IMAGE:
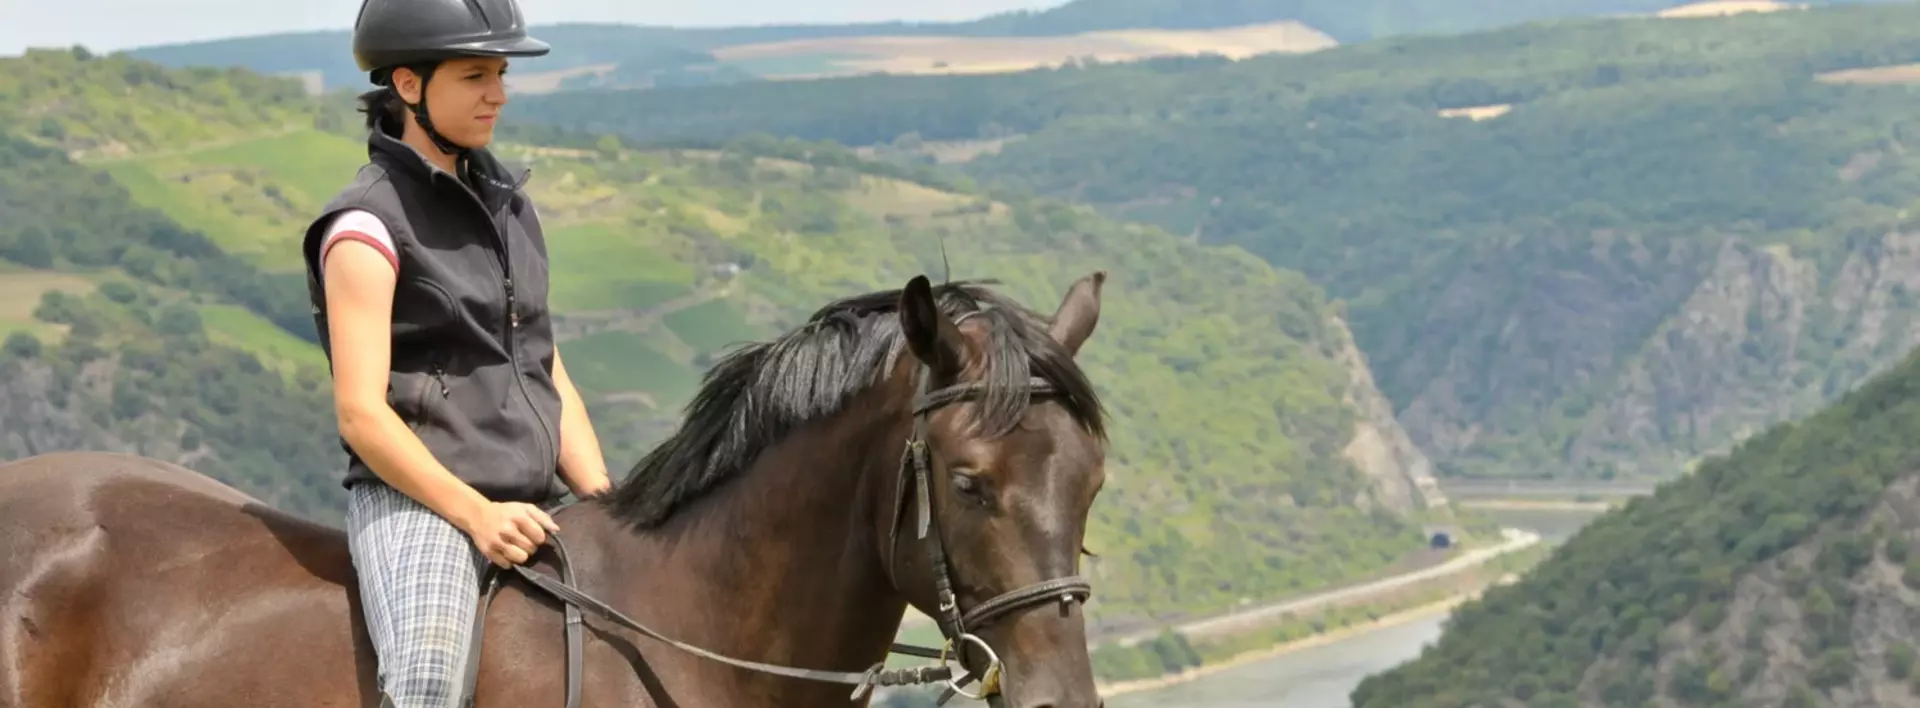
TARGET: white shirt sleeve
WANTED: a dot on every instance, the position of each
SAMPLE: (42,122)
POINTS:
(358,225)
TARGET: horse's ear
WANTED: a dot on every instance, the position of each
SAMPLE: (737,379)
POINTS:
(934,339)
(1079,311)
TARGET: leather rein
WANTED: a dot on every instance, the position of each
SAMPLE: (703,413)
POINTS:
(916,470)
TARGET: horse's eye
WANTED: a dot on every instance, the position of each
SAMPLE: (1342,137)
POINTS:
(967,483)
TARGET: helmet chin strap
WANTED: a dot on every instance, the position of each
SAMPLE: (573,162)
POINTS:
(426,121)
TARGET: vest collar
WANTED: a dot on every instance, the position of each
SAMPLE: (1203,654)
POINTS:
(492,180)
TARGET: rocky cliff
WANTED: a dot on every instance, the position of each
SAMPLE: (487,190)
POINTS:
(1616,360)
(1402,476)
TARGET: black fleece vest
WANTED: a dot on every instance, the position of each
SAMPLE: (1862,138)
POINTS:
(472,362)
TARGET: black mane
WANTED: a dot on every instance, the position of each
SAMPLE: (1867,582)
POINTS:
(759,393)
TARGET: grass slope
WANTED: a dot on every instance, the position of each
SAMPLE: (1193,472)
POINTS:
(1228,478)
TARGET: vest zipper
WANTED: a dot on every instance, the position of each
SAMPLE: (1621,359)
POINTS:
(549,460)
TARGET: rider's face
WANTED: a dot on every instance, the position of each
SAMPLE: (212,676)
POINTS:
(463,99)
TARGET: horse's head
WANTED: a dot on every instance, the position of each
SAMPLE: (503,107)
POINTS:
(1012,455)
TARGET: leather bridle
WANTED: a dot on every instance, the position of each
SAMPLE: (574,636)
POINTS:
(916,471)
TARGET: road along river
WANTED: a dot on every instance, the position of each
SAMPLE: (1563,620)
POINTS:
(1319,672)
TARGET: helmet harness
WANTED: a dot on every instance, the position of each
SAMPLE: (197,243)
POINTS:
(426,70)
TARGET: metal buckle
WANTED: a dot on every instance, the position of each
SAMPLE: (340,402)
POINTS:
(990,683)
(948,603)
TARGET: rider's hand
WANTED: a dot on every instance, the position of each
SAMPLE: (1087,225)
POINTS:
(508,533)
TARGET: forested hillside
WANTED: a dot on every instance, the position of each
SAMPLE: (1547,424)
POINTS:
(1782,574)
(153,306)
(113,313)
(1595,247)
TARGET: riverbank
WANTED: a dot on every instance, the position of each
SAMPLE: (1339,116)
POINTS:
(1189,650)
(1317,658)
(1120,688)
(1244,620)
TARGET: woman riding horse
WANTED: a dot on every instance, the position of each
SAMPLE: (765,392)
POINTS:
(428,278)
(933,447)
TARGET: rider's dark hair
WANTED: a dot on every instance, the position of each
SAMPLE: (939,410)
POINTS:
(385,111)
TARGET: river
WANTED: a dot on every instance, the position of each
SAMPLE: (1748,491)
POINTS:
(1322,676)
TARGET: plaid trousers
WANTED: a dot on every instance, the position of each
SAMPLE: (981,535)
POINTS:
(419,586)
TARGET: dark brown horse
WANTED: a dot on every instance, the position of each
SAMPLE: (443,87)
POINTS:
(779,525)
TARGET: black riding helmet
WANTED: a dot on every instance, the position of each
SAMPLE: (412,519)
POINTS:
(419,34)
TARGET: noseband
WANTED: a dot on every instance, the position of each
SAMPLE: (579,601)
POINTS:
(916,471)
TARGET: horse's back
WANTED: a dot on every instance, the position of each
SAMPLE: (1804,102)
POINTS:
(160,513)
(131,581)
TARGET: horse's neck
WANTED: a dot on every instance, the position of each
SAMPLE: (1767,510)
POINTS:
(783,564)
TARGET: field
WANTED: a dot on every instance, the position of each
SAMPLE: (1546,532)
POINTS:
(20,291)
(239,327)
(838,56)
(613,362)
(905,200)
(1478,113)
(545,81)
(1897,74)
(714,325)
(607,267)
(1726,7)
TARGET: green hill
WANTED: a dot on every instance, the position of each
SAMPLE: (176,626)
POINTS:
(151,209)
(1778,575)
(1656,237)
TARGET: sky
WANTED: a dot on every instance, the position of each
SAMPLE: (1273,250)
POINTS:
(109,25)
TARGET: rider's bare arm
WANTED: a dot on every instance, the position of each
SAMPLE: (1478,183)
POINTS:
(359,287)
(359,290)
(581,462)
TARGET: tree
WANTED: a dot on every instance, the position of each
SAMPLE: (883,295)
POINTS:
(179,321)
(31,247)
(609,146)
(22,345)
